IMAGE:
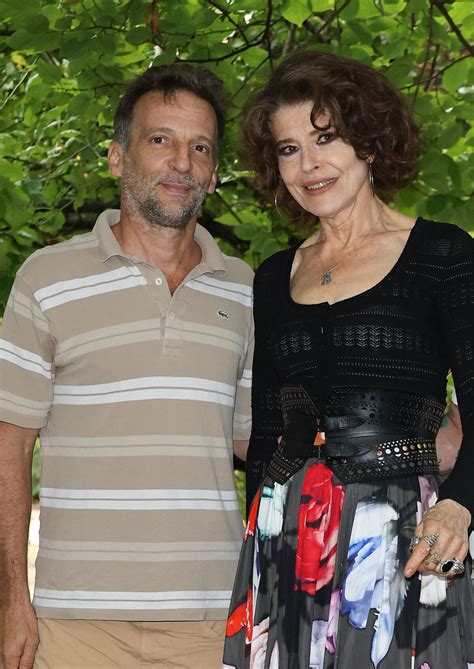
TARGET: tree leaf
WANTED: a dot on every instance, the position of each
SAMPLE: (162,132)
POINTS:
(322,5)
(296,11)
(48,72)
(456,76)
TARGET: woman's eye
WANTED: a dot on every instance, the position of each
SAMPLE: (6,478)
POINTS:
(325,138)
(286,150)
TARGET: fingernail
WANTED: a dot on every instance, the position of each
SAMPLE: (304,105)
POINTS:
(409,572)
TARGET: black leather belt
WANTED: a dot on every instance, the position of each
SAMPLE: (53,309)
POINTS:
(369,434)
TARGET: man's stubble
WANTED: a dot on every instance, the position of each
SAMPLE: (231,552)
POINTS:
(139,195)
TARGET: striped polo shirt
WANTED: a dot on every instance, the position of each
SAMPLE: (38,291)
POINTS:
(138,394)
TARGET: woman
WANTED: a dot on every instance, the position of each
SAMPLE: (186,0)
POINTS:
(348,559)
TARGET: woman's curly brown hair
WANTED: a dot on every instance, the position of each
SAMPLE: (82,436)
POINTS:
(365,110)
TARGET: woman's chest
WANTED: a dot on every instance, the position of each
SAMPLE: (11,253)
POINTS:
(394,321)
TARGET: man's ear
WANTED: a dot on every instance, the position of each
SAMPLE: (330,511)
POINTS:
(115,158)
(213,182)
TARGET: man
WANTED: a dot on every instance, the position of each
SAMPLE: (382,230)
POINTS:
(130,349)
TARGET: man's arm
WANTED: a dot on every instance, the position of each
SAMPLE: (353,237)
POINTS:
(18,625)
(448,439)
(240,448)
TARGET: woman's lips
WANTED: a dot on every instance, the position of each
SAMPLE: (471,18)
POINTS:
(320,186)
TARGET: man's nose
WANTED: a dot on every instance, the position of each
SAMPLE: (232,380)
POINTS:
(180,160)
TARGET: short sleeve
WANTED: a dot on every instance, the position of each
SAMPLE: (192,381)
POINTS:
(242,413)
(26,360)
(456,307)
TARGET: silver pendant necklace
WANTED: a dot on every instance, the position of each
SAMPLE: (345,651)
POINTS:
(326,274)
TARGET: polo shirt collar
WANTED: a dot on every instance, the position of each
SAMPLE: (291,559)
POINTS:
(212,260)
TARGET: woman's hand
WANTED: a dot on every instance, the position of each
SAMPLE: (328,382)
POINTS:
(448,439)
(450,522)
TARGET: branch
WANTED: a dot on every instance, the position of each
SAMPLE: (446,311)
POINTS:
(268,36)
(427,51)
(438,73)
(87,145)
(224,231)
(227,15)
(440,5)
(232,54)
(432,68)
(49,58)
(14,90)
(244,82)
(154,19)
(329,20)
(289,40)
(227,206)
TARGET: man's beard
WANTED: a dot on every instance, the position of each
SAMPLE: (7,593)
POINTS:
(141,198)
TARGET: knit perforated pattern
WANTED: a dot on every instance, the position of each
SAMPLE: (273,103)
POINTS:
(405,333)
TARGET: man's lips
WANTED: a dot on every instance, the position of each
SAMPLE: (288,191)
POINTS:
(176,188)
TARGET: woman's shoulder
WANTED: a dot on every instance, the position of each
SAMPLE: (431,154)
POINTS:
(443,239)
(272,280)
(275,266)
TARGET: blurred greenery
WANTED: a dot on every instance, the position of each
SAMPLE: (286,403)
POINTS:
(240,485)
(36,468)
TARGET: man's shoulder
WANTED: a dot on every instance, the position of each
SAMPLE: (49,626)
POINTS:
(58,260)
(238,270)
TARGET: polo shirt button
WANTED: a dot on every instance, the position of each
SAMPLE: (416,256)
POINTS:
(158,281)
(171,315)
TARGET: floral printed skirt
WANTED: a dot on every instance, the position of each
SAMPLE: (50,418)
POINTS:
(320,581)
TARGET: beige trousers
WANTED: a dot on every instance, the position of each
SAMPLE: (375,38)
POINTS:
(110,644)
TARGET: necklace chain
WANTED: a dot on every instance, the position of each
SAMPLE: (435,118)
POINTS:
(326,274)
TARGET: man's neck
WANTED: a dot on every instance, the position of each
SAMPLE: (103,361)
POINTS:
(174,252)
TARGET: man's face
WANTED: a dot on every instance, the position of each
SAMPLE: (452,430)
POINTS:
(170,162)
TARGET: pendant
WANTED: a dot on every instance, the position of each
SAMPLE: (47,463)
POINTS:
(326,277)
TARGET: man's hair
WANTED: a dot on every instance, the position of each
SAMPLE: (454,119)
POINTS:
(363,106)
(170,79)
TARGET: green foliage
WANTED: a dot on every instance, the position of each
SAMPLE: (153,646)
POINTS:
(35,471)
(239,477)
(65,63)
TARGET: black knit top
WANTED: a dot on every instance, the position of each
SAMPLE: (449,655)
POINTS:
(405,333)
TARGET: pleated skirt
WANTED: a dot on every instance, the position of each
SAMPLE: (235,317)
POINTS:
(320,581)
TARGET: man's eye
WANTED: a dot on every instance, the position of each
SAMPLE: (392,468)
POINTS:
(202,148)
(157,140)
(286,150)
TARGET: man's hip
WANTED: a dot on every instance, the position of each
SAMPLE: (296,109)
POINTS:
(111,644)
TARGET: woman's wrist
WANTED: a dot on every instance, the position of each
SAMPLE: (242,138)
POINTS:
(456,506)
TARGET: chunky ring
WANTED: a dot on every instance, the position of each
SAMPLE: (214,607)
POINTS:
(454,566)
(432,558)
(430,539)
(414,541)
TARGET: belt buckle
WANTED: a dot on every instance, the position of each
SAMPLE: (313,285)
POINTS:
(319,441)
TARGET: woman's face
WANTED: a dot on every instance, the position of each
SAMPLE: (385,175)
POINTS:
(321,171)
